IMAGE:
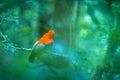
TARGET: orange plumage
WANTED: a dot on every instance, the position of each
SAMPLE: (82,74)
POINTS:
(46,38)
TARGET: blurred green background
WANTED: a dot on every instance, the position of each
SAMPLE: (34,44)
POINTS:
(86,42)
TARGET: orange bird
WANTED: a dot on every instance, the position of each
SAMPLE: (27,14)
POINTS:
(46,38)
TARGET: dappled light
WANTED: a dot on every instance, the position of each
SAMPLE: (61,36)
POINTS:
(59,40)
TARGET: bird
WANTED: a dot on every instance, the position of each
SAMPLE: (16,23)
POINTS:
(41,45)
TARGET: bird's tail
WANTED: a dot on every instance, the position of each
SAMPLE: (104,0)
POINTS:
(32,57)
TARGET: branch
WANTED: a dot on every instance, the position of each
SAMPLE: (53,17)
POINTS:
(25,49)
(17,48)
(2,36)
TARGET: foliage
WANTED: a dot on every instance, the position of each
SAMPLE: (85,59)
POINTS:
(86,41)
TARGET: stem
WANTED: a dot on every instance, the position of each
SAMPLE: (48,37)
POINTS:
(25,49)
(17,48)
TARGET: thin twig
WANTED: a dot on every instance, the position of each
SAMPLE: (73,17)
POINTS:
(17,48)
(1,35)
(25,49)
